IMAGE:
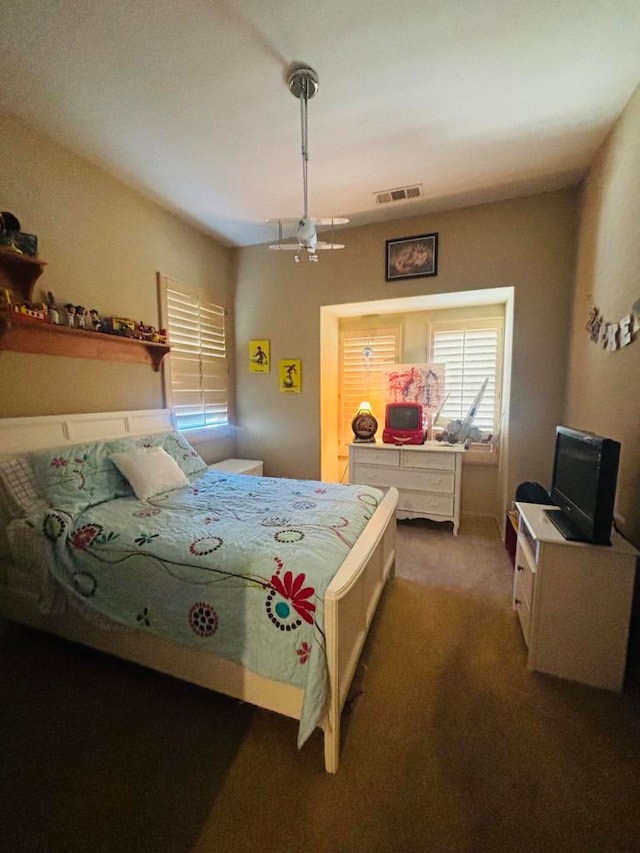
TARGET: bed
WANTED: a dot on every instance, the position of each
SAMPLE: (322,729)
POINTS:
(111,571)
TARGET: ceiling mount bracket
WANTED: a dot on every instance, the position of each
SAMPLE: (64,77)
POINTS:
(303,81)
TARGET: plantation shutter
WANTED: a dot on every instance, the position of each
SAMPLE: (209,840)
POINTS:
(362,353)
(471,354)
(198,367)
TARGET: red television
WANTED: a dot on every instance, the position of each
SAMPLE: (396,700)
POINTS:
(403,424)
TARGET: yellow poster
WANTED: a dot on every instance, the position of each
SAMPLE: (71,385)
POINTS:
(259,357)
(290,375)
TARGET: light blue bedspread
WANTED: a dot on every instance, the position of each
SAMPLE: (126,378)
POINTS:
(234,564)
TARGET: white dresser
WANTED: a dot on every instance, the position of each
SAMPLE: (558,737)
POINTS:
(427,476)
(573,601)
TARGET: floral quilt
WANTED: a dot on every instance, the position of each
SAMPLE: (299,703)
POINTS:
(234,564)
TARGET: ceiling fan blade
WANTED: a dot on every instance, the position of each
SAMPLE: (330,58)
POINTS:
(285,247)
(333,220)
(322,245)
(290,220)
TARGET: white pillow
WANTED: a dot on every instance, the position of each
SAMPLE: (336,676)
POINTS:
(149,470)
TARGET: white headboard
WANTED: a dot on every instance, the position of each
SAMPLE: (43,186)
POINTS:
(22,435)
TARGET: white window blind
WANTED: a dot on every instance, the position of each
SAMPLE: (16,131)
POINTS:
(471,353)
(362,353)
(198,371)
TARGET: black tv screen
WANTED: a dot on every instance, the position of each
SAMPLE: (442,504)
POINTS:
(585,471)
(404,416)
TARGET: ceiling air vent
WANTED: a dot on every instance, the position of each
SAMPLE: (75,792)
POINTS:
(398,194)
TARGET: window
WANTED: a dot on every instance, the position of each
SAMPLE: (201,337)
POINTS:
(362,354)
(472,352)
(197,375)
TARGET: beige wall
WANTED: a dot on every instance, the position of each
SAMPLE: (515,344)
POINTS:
(103,244)
(603,387)
(527,244)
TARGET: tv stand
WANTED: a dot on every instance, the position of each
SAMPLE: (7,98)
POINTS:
(573,600)
(569,531)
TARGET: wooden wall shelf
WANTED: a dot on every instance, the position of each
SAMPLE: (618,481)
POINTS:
(19,273)
(22,334)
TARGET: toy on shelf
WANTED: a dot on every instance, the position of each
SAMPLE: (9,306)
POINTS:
(81,313)
(52,309)
(94,320)
(71,314)
(142,332)
(13,239)
(32,312)
(120,326)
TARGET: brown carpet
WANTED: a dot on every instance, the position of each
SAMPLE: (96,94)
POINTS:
(453,745)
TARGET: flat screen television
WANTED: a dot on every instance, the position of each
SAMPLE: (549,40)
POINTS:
(403,424)
(585,472)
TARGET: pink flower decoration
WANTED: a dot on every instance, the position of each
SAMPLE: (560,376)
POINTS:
(303,653)
(84,536)
(58,462)
(292,590)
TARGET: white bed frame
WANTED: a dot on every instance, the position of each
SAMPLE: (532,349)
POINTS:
(350,600)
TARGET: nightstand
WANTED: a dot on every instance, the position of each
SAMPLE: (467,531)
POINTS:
(239,466)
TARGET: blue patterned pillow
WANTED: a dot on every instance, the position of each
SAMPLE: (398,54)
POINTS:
(78,476)
(176,446)
(187,458)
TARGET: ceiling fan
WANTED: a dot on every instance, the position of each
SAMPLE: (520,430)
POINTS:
(303,83)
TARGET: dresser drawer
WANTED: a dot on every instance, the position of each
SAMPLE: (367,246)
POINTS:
(430,504)
(402,478)
(371,456)
(523,580)
(433,460)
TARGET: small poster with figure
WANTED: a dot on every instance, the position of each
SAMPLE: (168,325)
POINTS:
(290,375)
(259,356)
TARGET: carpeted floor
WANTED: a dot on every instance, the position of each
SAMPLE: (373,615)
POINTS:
(452,744)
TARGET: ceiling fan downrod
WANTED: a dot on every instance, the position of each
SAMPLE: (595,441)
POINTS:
(303,84)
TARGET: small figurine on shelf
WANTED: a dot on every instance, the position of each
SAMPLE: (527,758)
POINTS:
(81,313)
(143,332)
(94,320)
(71,314)
(52,309)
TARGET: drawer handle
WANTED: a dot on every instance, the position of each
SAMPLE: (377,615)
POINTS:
(517,601)
(519,568)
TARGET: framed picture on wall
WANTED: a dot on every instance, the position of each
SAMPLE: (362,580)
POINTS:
(411,257)
(291,375)
(259,356)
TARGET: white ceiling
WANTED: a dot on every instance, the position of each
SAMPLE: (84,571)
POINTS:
(188,103)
